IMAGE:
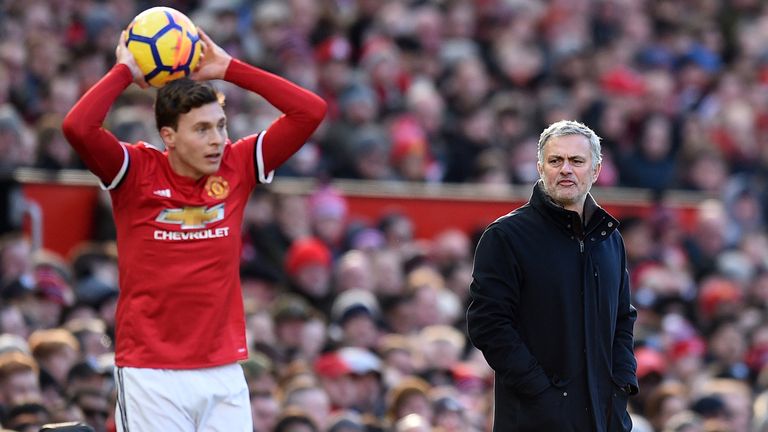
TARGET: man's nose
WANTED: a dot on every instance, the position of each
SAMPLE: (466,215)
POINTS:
(217,137)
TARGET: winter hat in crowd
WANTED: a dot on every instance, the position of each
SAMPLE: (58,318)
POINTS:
(360,360)
(304,252)
(717,294)
(649,361)
(333,48)
(332,365)
(291,307)
(51,284)
(327,202)
(352,303)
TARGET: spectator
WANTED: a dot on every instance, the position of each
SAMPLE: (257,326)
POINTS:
(353,271)
(666,401)
(359,109)
(328,214)
(290,314)
(265,410)
(441,349)
(311,399)
(687,421)
(335,376)
(409,397)
(652,164)
(308,266)
(295,421)
(449,415)
(398,358)
(387,269)
(15,262)
(18,381)
(27,417)
(346,422)
(262,388)
(53,151)
(356,312)
(52,290)
(95,407)
(365,367)
(707,239)
(56,351)
(335,71)
(12,321)
(87,376)
(91,335)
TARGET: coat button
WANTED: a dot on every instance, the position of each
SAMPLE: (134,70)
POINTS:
(565,393)
(602,233)
(610,224)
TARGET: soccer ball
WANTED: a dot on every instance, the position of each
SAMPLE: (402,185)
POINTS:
(165,44)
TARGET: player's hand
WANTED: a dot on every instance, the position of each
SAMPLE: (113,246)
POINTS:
(125,57)
(213,60)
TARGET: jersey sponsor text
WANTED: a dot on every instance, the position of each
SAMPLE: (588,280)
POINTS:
(191,235)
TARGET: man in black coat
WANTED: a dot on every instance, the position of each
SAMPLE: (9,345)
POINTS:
(550,302)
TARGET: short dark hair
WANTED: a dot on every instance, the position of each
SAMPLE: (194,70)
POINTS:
(293,416)
(180,97)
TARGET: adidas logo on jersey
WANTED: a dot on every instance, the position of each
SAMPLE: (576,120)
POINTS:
(166,193)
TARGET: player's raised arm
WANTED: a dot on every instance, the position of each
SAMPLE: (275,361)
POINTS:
(302,110)
(98,148)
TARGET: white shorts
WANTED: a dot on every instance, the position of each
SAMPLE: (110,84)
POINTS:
(170,400)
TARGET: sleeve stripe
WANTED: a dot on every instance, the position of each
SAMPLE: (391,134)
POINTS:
(262,178)
(120,174)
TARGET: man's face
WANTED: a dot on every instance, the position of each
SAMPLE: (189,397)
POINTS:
(197,144)
(265,410)
(19,388)
(567,170)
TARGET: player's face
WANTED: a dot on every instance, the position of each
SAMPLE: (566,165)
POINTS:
(196,146)
(567,170)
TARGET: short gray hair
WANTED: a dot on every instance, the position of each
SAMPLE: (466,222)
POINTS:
(570,127)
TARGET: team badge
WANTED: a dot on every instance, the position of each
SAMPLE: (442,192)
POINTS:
(217,187)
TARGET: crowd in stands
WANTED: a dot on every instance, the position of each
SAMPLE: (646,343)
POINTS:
(357,325)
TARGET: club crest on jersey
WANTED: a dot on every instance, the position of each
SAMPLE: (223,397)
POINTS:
(217,187)
(192,217)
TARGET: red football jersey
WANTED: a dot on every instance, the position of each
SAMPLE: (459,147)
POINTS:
(178,240)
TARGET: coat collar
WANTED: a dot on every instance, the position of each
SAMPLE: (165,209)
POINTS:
(594,215)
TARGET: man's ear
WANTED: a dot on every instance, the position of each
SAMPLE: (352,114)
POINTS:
(597,172)
(168,134)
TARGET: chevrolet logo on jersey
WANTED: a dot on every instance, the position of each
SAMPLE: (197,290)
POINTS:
(192,217)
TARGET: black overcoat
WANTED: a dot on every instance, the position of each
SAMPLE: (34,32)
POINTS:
(550,311)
